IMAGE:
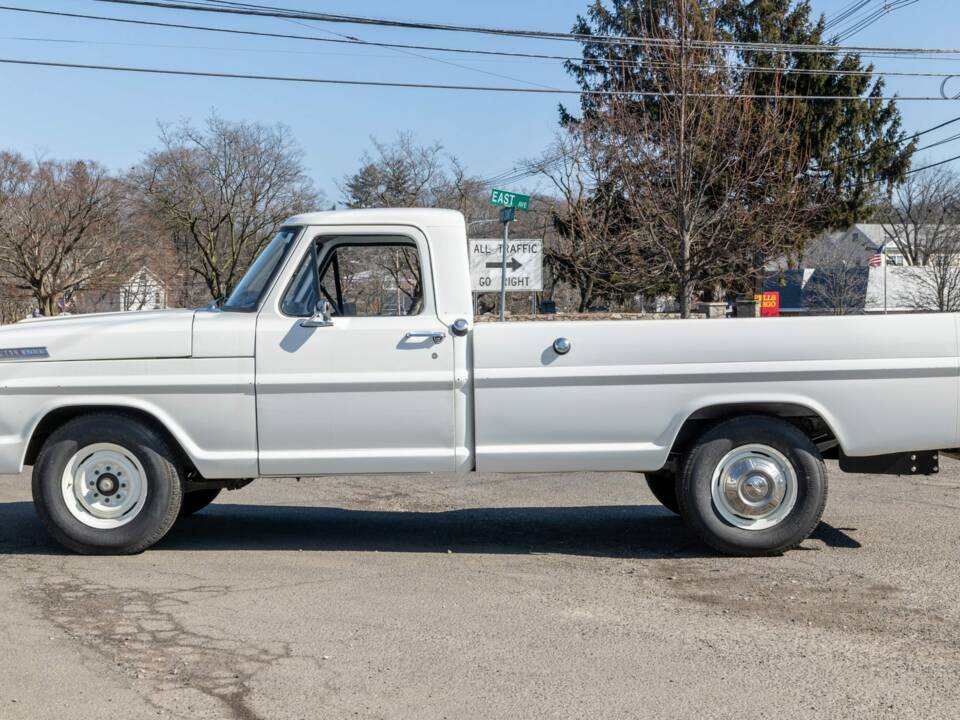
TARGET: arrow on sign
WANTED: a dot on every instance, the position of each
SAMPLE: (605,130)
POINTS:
(513,264)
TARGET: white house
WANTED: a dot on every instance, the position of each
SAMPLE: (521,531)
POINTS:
(144,290)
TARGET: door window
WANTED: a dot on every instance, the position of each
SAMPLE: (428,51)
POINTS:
(372,279)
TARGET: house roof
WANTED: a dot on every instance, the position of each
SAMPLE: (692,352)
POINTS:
(879,234)
(872,233)
(144,270)
(789,283)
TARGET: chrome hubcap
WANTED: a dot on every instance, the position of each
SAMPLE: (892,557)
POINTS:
(104,486)
(754,487)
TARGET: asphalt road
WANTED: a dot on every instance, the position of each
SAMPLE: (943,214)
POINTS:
(487,597)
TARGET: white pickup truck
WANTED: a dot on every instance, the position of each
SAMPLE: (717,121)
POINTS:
(350,347)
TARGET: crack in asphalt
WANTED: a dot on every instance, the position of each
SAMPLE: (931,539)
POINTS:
(138,631)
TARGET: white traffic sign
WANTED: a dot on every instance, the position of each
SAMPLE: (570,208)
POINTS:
(524,265)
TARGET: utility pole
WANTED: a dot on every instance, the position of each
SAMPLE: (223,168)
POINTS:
(682,171)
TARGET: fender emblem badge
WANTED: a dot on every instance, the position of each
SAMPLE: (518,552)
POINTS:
(23,353)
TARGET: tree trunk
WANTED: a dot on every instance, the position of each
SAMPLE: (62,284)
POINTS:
(586,292)
(46,304)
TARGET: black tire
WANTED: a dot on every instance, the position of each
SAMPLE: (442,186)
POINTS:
(162,478)
(663,485)
(196,500)
(696,501)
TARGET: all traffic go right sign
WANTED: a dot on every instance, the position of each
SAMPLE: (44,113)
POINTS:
(524,265)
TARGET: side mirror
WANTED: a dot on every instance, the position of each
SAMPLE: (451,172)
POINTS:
(321,316)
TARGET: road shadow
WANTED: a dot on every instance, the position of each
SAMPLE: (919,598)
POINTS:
(621,531)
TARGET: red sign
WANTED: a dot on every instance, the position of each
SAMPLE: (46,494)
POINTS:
(769,304)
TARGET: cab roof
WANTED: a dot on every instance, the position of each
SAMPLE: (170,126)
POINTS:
(426,217)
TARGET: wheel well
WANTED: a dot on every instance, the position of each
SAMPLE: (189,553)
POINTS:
(807,420)
(56,418)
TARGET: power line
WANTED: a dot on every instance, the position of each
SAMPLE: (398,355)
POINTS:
(932,165)
(477,88)
(348,40)
(515,173)
(657,65)
(909,138)
(285,36)
(322,81)
(945,141)
(424,57)
(845,13)
(234,8)
(864,23)
(181,46)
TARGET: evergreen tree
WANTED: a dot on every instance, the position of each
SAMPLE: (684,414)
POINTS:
(854,148)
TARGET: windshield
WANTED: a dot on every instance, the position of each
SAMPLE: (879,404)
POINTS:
(247,295)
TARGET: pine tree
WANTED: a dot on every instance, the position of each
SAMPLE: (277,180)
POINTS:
(854,148)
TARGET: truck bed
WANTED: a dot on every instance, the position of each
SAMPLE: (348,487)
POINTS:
(618,399)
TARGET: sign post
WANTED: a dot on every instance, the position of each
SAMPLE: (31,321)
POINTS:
(506,215)
(510,203)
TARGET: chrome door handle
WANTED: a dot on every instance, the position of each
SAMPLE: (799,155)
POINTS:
(436,335)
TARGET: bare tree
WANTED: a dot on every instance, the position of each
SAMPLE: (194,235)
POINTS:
(59,228)
(221,192)
(589,244)
(919,216)
(399,174)
(404,173)
(459,190)
(838,285)
(936,285)
(15,304)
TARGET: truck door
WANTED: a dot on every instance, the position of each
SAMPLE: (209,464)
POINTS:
(371,391)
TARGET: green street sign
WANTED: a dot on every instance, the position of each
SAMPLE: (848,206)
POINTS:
(509,199)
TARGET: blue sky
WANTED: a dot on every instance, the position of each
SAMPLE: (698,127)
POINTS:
(113,117)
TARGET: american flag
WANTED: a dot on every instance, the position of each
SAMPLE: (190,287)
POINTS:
(876,260)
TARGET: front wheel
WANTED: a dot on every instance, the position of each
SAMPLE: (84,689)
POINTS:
(106,484)
(753,485)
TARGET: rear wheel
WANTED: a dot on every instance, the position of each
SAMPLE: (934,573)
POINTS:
(197,500)
(753,485)
(105,483)
(663,485)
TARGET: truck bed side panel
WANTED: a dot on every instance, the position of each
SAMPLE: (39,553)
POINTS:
(617,400)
